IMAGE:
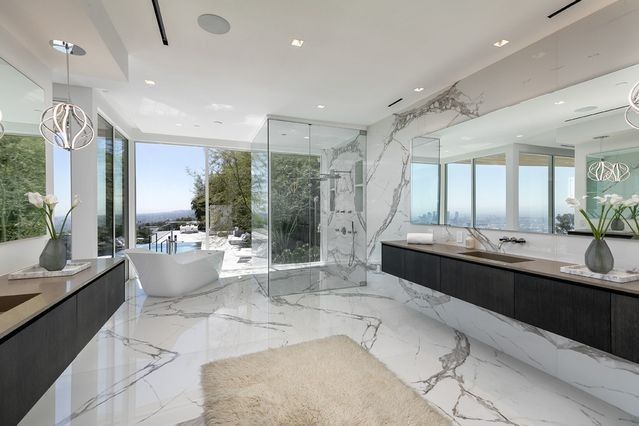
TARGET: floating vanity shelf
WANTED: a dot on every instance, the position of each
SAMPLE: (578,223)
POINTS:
(45,323)
(601,314)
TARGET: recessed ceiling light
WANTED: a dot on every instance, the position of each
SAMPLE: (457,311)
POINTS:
(149,82)
(321,106)
(520,136)
(306,137)
(178,124)
(560,102)
(586,108)
(297,42)
(500,43)
(213,24)
(418,89)
(220,107)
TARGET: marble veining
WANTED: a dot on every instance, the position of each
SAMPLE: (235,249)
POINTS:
(144,365)
(609,378)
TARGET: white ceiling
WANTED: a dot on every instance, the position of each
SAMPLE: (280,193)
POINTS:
(358,55)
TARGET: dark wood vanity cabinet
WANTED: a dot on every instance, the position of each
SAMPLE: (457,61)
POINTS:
(490,288)
(570,310)
(600,317)
(625,326)
(413,266)
(33,356)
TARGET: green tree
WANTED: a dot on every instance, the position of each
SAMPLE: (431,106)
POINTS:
(292,191)
(22,170)
(564,223)
(229,185)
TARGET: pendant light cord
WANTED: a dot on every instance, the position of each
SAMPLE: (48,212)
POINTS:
(68,51)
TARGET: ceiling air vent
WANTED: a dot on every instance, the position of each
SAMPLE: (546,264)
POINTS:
(595,113)
(396,102)
(563,9)
(158,17)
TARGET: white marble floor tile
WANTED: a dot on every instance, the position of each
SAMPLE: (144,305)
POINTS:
(144,365)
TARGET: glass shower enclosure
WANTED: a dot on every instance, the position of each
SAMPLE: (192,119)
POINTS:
(308,207)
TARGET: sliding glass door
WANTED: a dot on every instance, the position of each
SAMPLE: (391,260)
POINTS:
(112,194)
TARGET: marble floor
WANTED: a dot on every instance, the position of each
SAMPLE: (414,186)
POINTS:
(144,365)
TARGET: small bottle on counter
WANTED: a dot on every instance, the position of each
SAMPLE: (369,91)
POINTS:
(470,242)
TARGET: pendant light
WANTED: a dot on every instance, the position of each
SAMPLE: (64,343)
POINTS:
(64,124)
(600,171)
(633,107)
(605,171)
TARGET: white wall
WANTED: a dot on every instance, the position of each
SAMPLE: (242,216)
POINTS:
(594,46)
(15,255)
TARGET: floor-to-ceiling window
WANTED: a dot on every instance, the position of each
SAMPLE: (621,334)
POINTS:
(459,193)
(192,197)
(534,192)
(490,192)
(62,189)
(112,194)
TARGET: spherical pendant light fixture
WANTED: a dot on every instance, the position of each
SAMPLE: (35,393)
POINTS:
(64,124)
(599,171)
(632,112)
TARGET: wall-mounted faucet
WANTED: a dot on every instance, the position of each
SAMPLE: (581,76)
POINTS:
(514,240)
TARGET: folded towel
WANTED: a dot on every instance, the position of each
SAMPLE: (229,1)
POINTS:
(420,238)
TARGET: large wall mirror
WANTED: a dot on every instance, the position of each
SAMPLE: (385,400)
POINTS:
(22,154)
(513,169)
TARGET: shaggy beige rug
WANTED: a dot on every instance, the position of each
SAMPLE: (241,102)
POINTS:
(328,382)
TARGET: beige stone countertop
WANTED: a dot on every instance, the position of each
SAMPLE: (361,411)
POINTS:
(51,291)
(533,266)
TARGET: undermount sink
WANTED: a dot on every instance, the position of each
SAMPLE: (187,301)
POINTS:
(11,301)
(495,256)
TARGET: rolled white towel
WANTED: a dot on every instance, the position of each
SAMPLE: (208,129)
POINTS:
(420,238)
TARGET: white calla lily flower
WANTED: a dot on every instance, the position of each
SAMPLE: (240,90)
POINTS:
(36,199)
(50,200)
(573,202)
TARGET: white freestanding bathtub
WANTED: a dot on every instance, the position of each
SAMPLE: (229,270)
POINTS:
(164,275)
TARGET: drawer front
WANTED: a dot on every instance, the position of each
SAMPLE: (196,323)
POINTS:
(488,287)
(393,260)
(579,313)
(33,358)
(115,289)
(422,268)
(625,326)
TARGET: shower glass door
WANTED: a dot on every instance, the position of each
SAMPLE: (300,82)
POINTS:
(294,235)
(315,196)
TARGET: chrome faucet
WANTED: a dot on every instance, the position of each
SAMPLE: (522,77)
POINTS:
(514,240)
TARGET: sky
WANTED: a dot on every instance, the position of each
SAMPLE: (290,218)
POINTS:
(62,180)
(491,189)
(163,185)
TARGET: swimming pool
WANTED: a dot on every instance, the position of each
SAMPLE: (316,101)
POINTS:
(182,247)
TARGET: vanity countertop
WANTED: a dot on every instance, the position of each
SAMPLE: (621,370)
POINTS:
(51,292)
(535,266)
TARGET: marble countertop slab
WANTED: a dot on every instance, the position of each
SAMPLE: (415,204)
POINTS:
(534,266)
(71,268)
(50,292)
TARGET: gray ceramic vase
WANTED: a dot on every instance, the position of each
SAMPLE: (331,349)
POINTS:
(599,257)
(617,225)
(54,255)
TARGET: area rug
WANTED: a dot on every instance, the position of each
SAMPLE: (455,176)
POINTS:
(331,381)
